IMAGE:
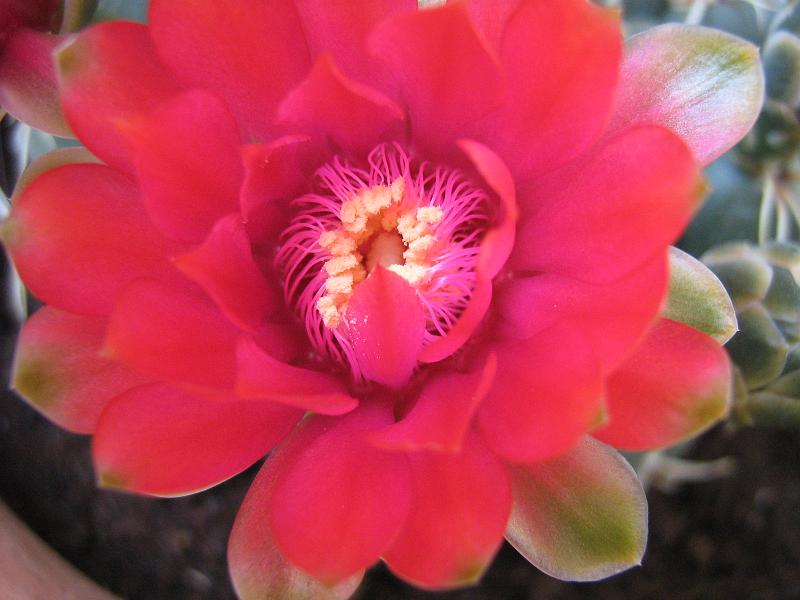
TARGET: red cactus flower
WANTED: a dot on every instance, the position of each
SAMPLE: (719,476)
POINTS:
(418,254)
(28,87)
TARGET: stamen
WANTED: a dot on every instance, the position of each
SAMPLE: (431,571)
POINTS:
(423,223)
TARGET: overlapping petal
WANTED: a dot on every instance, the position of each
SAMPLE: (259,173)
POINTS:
(186,154)
(249,54)
(552,53)
(546,395)
(154,330)
(349,114)
(611,211)
(614,316)
(676,384)
(442,414)
(108,75)
(325,496)
(460,505)
(77,259)
(165,441)
(60,370)
(224,266)
(465,77)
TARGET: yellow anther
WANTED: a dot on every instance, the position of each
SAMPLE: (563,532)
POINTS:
(375,222)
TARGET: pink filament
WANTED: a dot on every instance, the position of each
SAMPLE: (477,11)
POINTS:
(465,219)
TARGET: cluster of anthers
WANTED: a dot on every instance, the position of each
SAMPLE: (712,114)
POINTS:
(423,223)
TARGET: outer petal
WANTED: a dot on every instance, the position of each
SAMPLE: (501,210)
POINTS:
(78,234)
(341,27)
(447,75)
(58,368)
(331,493)
(261,376)
(459,510)
(109,74)
(250,54)
(704,84)
(28,88)
(546,395)
(442,415)
(353,116)
(257,567)
(698,299)
(607,214)
(224,266)
(163,441)
(561,61)
(614,316)
(677,384)
(187,158)
(386,324)
(580,517)
(172,335)
(495,249)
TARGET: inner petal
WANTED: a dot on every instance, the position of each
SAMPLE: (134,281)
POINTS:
(423,222)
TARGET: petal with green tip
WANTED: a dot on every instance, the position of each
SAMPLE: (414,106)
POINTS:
(677,384)
(459,509)
(697,298)
(28,88)
(579,517)
(704,84)
(58,368)
(257,567)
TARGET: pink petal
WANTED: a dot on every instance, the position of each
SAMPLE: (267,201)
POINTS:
(257,567)
(490,18)
(170,334)
(338,501)
(460,506)
(386,324)
(78,234)
(353,116)
(442,415)
(547,394)
(677,384)
(118,58)
(224,266)
(341,27)
(274,174)
(28,88)
(579,517)
(58,368)
(249,54)
(561,62)
(187,158)
(704,84)
(261,376)
(164,441)
(447,76)
(614,316)
(495,249)
(605,215)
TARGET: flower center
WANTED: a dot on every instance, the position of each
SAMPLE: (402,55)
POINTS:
(421,222)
